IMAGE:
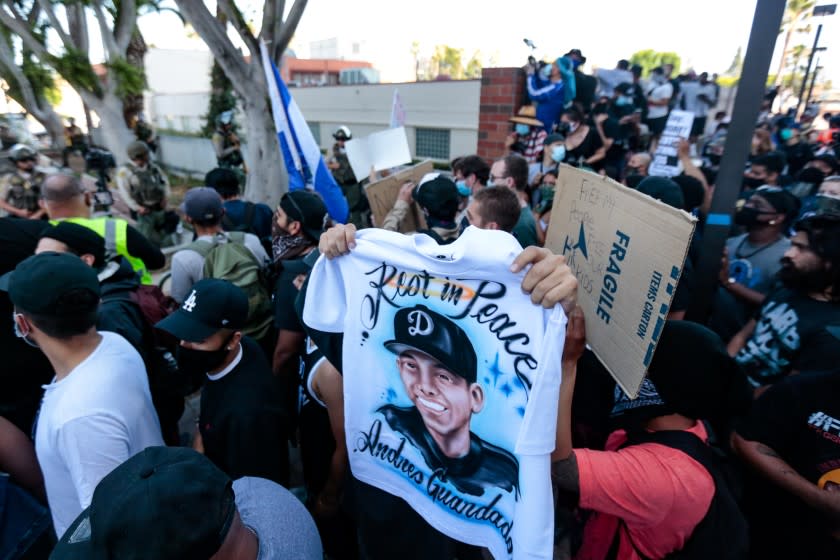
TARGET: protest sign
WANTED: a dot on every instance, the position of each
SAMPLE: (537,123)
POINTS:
(381,150)
(665,160)
(627,252)
(382,195)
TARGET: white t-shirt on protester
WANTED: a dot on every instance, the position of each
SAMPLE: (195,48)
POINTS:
(691,92)
(518,347)
(659,93)
(90,422)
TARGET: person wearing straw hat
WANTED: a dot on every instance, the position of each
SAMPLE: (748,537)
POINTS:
(528,135)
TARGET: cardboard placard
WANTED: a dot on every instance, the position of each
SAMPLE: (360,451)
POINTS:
(627,252)
(383,194)
(665,162)
(380,150)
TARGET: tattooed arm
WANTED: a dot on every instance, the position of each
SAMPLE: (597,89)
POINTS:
(564,469)
(770,464)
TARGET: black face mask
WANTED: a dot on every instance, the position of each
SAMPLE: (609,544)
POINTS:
(748,216)
(198,362)
(752,182)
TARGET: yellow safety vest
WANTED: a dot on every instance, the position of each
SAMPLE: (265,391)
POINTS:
(114,231)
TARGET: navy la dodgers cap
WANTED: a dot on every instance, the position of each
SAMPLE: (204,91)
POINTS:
(212,305)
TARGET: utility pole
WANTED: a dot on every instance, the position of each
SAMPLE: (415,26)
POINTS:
(819,11)
(817,69)
(751,90)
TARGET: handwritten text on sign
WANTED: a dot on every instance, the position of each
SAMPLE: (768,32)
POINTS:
(626,251)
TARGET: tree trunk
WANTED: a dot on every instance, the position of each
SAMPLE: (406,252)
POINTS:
(55,128)
(781,69)
(113,134)
(267,178)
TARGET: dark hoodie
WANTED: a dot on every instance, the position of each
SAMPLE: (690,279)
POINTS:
(118,312)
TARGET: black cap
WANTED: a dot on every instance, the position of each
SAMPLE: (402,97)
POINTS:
(307,208)
(438,194)
(829,160)
(165,502)
(782,200)
(420,328)
(624,88)
(39,282)
(79,239)
(577,53)
(212,305)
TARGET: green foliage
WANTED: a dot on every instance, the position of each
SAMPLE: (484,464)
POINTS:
(74,66)
(41,79)
(131,80)
(649,59)
(473,69)
(449,61)
(221,99)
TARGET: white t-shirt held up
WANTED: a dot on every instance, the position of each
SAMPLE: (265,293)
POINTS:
(436,338)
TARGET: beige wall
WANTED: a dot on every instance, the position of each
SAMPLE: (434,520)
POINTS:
(366,109)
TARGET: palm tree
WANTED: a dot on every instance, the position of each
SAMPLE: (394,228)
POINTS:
(796,12)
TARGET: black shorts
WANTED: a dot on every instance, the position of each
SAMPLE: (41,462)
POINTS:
(657,125)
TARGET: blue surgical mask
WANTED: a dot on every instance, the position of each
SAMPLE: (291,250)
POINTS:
(623,101)
(558,153)
(576,63)
(522,129)
(546,71)
(463,189)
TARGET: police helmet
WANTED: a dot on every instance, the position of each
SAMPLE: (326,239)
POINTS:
(137,149)
(20,152)
(343,133)
(225,117)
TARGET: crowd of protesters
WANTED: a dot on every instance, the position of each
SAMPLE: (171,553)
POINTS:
(198,420)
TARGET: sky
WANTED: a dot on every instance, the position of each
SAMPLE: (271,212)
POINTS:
(705,33)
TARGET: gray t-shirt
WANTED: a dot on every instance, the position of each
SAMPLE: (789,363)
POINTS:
(753,266)
(283,525)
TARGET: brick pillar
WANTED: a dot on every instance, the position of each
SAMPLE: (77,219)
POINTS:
(502,94)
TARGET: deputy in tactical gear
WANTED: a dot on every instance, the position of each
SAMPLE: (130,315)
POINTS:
(346,179)
(438,367)
(145,189)
(21,189)
(226,142)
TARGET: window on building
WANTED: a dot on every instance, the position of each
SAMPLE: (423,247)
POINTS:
(432,142)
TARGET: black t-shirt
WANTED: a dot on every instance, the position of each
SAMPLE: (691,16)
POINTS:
(586,149)
(285,294)
(25,368)
(619,135)
(799,418)
(790,335)
(243,420)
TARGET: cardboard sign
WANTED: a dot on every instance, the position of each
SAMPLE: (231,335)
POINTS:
(383,194)
(665,162)
(627,252)
(381,150)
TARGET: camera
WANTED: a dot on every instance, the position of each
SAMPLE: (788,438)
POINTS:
(98,159)
(101,161)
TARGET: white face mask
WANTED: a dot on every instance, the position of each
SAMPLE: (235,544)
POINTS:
(543,225)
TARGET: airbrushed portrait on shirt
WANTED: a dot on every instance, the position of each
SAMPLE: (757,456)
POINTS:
(452,403)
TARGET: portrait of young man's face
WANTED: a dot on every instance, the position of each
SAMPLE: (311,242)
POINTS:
(445,400)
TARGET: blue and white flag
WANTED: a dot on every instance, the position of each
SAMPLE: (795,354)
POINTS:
(304,163)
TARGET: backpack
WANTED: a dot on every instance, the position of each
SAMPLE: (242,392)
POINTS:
(150,189)
(247,224)
(723,533)
(227,258)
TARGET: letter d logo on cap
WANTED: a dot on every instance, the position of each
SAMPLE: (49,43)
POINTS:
(422,324)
